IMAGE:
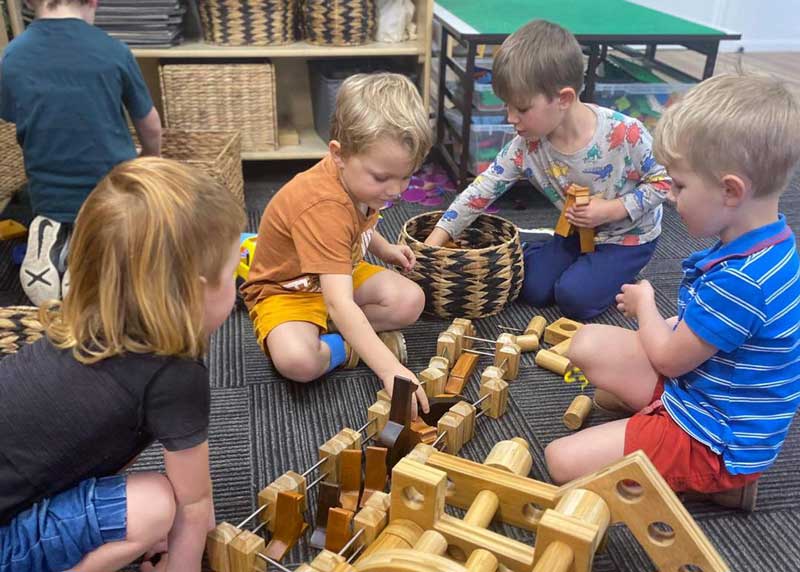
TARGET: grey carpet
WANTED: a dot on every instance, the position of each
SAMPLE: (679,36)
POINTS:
(262,425)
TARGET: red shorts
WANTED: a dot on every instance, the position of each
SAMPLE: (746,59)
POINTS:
(684,462)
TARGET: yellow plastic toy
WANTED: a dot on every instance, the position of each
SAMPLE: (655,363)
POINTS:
(11,229)
(247,250)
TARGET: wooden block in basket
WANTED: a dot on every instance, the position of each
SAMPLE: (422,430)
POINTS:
(223,97)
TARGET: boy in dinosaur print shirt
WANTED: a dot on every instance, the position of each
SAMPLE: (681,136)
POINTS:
(562,141)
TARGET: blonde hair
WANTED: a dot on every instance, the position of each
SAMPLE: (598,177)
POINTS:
(142,241)
(372,106)
(734,123)
(539,58)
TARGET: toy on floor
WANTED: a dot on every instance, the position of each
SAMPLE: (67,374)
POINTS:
(576,196)
(428,186)
(12,229)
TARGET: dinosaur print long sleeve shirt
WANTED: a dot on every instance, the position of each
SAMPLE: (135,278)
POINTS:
(617,163)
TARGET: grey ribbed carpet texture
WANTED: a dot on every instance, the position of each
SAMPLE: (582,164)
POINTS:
(263,425)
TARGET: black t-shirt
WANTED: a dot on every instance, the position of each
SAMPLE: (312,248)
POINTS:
(62,422)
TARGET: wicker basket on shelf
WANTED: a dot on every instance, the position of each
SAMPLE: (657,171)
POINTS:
(223,97)
(12,168)
(339,23)
(473,281)
(19,325)
(248,22)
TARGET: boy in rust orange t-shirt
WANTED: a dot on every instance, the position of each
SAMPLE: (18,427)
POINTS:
(308,264)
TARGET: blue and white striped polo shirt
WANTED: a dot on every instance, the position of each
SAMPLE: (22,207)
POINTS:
(743,298)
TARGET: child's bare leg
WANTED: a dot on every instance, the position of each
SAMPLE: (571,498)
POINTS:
(586,451)
(297,352)
(151,511)
(390,301)
(613,359)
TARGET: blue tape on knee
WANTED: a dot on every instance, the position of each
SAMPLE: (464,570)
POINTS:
(338,352)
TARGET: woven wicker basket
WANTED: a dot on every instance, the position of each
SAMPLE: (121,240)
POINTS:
(223,97)
(248,22)
(19,325)
(471,282)
(339,23)
(12,169)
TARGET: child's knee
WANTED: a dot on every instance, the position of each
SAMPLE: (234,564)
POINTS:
(296,363)
(407,303)
(576,305)
(152,499)
(559,461)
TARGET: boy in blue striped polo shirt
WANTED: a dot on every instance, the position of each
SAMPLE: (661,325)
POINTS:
(716,387)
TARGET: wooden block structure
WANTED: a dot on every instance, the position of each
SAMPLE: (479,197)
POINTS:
(332,449)
(433,380)
(440,362)
(379,411)
(506,358)
(289,527)
(374,473)
(446,346)
(327,498)
(577,412)
(350,493)
(461,373)
(560,330)
(288,482)
(339,529)
(496,387)
(576,195)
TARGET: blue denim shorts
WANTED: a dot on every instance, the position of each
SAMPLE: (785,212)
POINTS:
(56,533)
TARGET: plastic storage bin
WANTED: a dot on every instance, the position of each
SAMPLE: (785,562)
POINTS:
(485,141)
(326,76)
(644,101)
(483,97)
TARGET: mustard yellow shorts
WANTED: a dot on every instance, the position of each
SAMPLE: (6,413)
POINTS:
(275,310)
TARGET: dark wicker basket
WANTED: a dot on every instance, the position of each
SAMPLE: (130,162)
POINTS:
(19,325)
(248,22)
(475,281)
(339,22)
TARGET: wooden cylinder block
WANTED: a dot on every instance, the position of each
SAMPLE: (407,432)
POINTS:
(557,557)
(399,533)
(586,506)
(577,412)
(512,456)
(433,381)
(552,361)
(528,342)
(482,510)
(481,561)
(431,542)
(561,348)
(372,521)
(536,326)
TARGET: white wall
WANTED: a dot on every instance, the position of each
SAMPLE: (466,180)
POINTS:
(765,25)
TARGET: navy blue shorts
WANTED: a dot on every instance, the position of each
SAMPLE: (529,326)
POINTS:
(56,533)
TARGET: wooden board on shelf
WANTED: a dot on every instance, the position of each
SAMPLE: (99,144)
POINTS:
(199,49)
(311,147)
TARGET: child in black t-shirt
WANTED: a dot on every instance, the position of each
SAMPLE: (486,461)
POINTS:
(152,261)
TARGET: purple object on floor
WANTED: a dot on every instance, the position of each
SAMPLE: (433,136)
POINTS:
(413,194)
(432,201)
(492,209)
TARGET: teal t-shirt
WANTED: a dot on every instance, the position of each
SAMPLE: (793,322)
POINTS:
(65,84)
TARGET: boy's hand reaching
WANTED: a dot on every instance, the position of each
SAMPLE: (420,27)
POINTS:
(634,297)
(417,399)
(597,212)
(400,255)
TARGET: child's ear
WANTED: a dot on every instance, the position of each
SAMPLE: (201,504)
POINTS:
(335,149)
(566,97)
(736,189)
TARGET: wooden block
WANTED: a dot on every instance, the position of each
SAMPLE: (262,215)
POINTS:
(577,412)
(425,432)
(440,362)
(581,201)
(421,452)
(536,326)
(504,339)
(528,342)
(372,521)
(561,348)
(467,411)
(330,450)
(465,366)
(552,362)
(433,380)
(397,534)
(327,561)
(328,499)
(469,329)
(290,525)
(380,412)
(379,501)
(217,543)
(512,455)
(507,359)
(383,395)
(339,529)
(453,425)
(563,226)
(290,482)
(243,549)
(586,236)
(560,330)
(375,472)
(418,493)
(446,346)
(497,403)
(458,333)
(350,494)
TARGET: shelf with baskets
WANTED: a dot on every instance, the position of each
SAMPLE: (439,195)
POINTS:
(291,124)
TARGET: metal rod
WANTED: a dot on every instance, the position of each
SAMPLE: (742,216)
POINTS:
(269,560)
(480,414)
(502,363)
(441,446)
(315,483)
(365,425)
(370,437)
(480,339)
(259,527)
(314,466)
(252,516)
(479,353)
(439,438)
(510,328)
(350,542)
(356,552)
(481,400)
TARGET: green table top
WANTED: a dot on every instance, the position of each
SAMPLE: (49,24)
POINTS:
(581,17)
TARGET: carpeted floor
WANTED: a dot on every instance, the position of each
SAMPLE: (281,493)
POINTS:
(262,425)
